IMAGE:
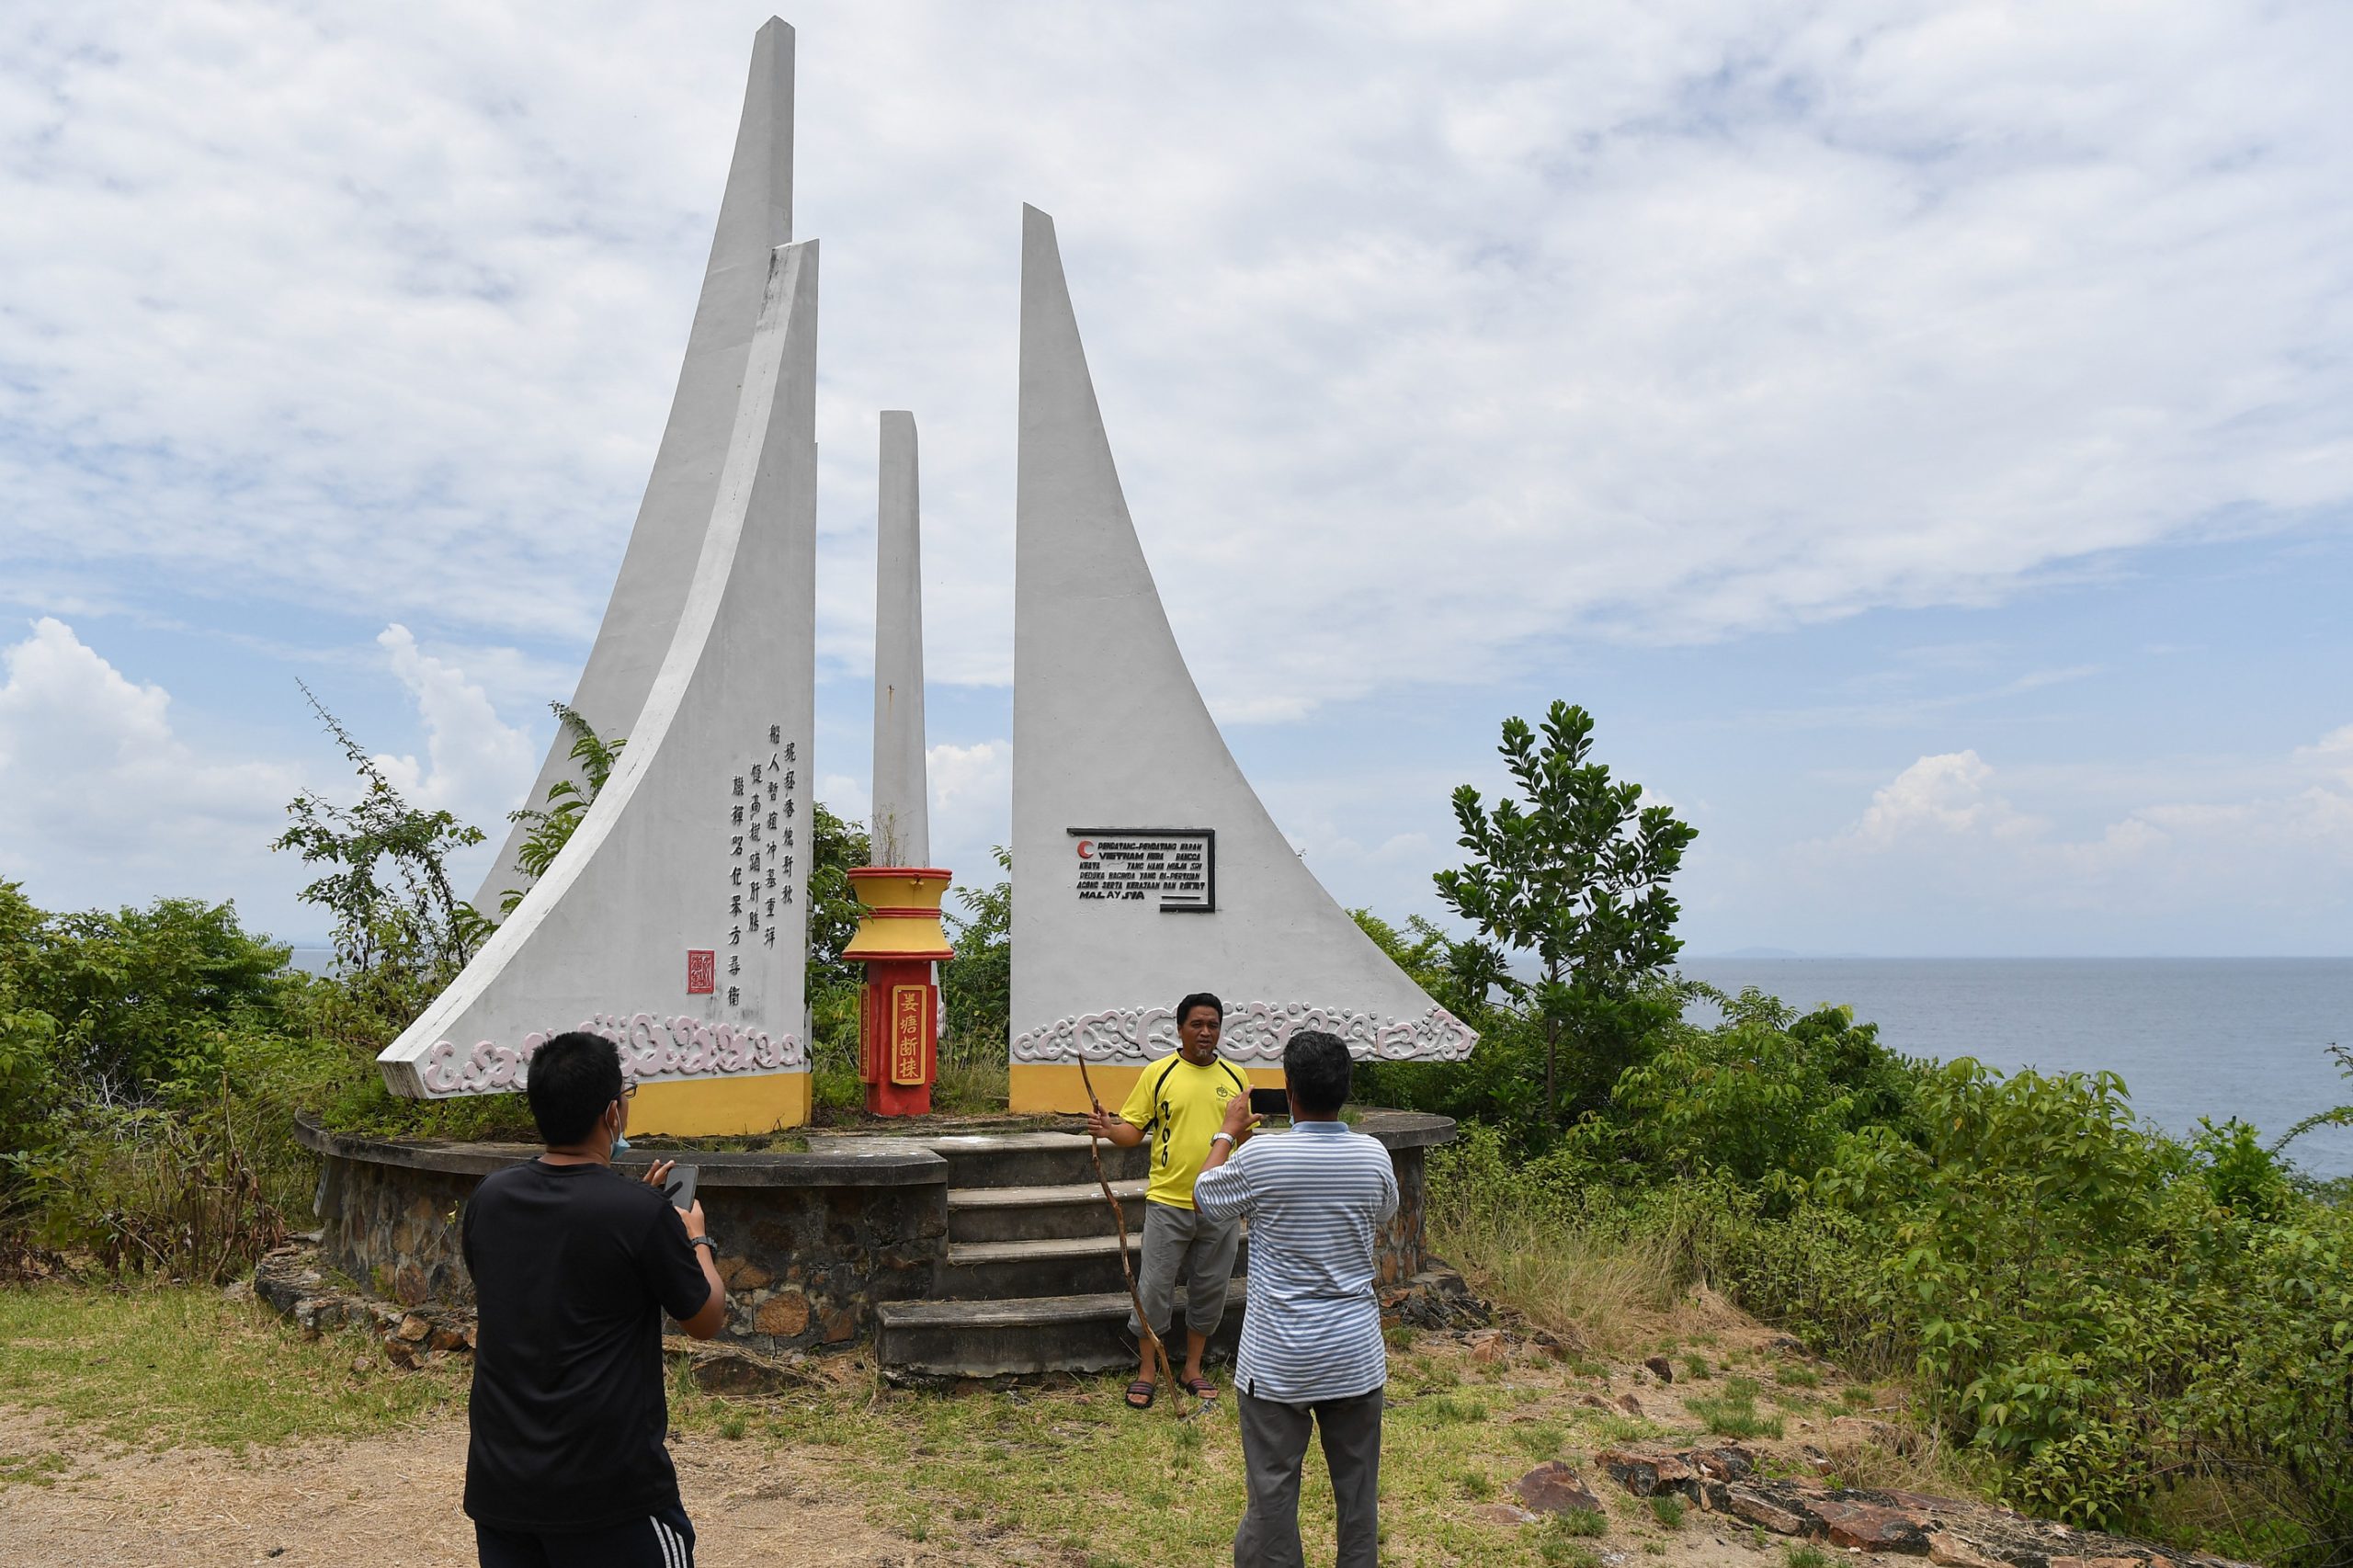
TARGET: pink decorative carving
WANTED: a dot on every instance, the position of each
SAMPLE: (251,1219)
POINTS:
(652,1049)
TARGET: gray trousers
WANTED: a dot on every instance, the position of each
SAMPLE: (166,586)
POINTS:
(1273,1441)
(1205,1248)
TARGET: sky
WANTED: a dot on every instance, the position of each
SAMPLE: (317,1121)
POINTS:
(1917,432)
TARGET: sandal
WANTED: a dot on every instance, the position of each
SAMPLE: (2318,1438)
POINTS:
(1149,1391)
(1200,1388)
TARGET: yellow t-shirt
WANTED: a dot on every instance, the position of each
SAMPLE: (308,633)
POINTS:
(1179,1105)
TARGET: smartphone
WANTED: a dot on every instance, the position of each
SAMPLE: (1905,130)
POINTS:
(680,1188)
(1270,1102)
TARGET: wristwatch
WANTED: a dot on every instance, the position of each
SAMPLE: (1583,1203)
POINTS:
(1215,1136)
(703,1241)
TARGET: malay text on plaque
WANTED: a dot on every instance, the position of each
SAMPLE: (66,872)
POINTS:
(1172,868)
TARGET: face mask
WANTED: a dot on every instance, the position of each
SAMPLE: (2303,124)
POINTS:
(620,1145)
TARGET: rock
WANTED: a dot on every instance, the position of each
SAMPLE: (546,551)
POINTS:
(1787,1344)
(1728,1462)
(1553,1488)
(361,1364)
(238,1290)
(838,1326)
(399,1352)
(1646,1474)
(784,1315)
(1594,1402)
(1630,1405)
(413,1329)
(1661,1369)
(1950,1550)
(1746,1502)
(445,1338)
(723,1368)
(1503,1514)
(1870,1527)
(1553,1344)
(1488,1347)
(1816,1460)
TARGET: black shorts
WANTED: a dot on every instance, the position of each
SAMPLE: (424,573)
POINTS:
(665,1539)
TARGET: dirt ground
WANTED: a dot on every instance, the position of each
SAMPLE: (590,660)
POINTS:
(393,1503)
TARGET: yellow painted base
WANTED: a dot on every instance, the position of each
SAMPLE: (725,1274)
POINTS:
(722,1108)
(1046,1087)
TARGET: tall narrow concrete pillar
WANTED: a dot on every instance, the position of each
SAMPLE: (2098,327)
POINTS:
(901,827)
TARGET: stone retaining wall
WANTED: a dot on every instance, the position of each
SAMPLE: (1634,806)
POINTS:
(808,1243)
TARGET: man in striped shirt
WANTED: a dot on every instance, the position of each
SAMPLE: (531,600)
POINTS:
(1316,1198)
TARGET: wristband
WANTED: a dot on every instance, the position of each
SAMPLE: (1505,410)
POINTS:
(703,1241)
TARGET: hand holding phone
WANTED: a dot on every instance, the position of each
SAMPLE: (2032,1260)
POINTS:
(1270,1102)
(680,1188)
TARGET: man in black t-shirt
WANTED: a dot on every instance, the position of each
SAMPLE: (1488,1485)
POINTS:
(573,1266)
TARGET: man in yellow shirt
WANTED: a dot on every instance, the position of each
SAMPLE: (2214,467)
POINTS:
(1179,1103)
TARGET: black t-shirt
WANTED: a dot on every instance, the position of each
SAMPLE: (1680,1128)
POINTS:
(573,1266)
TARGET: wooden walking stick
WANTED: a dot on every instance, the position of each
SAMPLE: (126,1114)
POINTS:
(1127,1270)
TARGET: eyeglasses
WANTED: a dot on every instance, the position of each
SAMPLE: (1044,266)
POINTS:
(629,1091)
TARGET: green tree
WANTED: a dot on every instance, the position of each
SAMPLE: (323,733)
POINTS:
(977,986)
(1577,877)
(568,802)
(400,931)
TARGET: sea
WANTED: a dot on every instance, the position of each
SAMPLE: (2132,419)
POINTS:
(2191,1037)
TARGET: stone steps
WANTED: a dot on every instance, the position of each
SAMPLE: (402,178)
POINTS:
(1054,1266)
(1030,1281)
(1026,1334)
(1040,1213)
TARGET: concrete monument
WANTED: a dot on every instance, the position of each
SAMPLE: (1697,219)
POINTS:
(1148,867)
(755,217)
(674,920)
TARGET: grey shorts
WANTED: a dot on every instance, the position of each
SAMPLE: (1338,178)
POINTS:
(1205,1248)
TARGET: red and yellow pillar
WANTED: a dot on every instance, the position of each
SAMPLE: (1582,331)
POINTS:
(899,940)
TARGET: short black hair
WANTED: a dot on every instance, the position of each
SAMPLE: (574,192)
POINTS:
(1316,1068)
(1199,999)
(573,1078)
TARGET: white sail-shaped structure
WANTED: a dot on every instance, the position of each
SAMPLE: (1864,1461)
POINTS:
(674,920)
(755,217)
(1147,866)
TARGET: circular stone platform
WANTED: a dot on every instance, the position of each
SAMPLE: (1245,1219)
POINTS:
(967,1251)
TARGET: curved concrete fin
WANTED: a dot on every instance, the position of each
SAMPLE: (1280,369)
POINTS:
(901,827)
(675,919)
(755,217)
(1121,779)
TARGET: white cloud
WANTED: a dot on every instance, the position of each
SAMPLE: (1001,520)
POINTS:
(1479,329)
(1942,795)
(1944,831)
(476,765)
(101,802)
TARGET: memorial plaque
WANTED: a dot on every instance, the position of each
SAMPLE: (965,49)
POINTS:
(1173,867)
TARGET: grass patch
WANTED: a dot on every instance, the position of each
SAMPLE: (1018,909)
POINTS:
(152,1366)
(1594,1290)
(30,1470)
(1580,1521)
(1696,1368)
(1806,1557)
(1667,1509)
(1798,1377)
(1734,1413)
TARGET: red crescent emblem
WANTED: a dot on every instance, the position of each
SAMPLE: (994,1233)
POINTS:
(1086,849)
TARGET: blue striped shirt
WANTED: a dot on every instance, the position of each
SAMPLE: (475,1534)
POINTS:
(1316,1198)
